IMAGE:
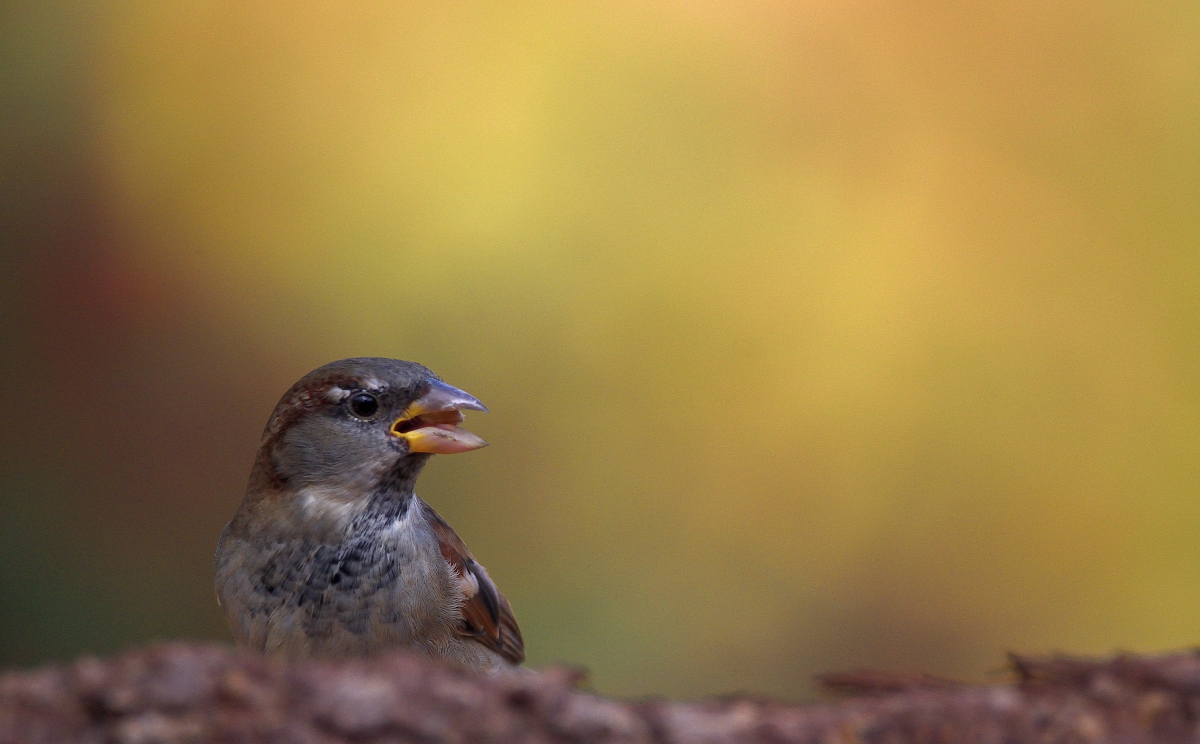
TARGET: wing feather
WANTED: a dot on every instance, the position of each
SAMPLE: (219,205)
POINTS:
(487,617)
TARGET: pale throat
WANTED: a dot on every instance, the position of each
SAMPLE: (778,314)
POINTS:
(331,507)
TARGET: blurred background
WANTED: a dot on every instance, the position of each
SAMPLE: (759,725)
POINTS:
(816,335)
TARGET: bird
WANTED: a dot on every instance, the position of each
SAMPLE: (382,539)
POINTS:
(331,552)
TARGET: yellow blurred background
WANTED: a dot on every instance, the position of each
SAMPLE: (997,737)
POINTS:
(816,335)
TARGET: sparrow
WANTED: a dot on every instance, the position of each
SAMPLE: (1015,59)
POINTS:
(332,553)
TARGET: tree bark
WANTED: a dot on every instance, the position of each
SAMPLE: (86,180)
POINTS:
(206,693)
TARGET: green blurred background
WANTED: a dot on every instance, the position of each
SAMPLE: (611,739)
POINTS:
(816,335)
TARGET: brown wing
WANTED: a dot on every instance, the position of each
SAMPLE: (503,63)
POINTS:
(487,616)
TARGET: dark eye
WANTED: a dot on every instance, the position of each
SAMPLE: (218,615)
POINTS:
(364,405)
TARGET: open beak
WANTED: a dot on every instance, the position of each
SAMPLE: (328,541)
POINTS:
(430,423)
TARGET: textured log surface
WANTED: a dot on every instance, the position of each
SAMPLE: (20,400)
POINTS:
(190,693)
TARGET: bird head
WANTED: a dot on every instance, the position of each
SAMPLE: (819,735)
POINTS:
(354,423)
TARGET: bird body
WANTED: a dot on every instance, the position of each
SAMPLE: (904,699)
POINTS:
(332,553)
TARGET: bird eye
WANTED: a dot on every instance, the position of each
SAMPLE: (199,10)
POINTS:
(364,405)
